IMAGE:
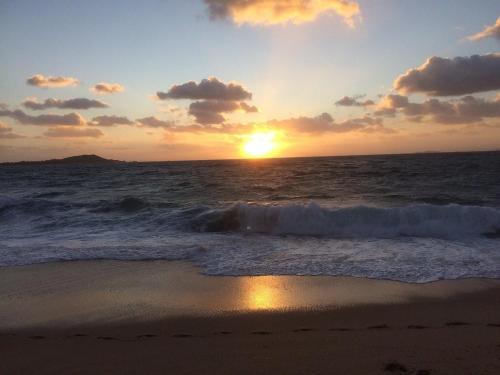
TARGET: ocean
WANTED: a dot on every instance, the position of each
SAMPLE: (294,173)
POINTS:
(413,218)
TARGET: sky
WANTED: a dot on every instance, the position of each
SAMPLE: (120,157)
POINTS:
(209,79)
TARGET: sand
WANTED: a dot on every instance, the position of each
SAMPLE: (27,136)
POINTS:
(160,317)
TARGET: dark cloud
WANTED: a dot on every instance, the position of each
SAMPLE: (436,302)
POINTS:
(107,88)
(248,108)
(353,101)
(465,110)
(7,133)
(265,12)
(492,31)
(108,121)
(207,89)
(39,80)
(77,103)
(451,77)
(44,120)
(210,111)
(213,99)
(70,132)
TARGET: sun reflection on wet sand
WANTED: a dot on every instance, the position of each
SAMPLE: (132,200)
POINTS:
(155,290)
(262,293)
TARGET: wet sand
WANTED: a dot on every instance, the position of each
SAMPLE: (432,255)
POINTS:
(160,317)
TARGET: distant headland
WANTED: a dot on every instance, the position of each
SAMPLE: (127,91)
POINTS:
(79,159)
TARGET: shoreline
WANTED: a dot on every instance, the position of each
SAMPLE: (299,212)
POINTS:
(131,318)
(84,292)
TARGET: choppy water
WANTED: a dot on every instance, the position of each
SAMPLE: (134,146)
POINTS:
(410,217)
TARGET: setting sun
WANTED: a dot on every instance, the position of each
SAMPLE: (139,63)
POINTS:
(259,144)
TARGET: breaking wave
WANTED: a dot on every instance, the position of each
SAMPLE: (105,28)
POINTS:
(422,220)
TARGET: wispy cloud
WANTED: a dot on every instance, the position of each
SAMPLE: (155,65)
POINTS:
(321,124)
(7,133)
(70,132)
(492,31)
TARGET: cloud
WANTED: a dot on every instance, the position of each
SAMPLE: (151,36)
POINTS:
(450,77)
(6,133)
(77,103)
(465,110)
(324,123)
(70,132)
(153,122)
(209,111)
(73,119)
(388,105)
(248,108)
(353,101)
(40,80)
(107,88)
(492,31)
(108,121)
(213,98)
(266,12)
(207,89)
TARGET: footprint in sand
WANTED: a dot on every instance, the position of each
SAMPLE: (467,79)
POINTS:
(181,335)
(147,335)
(395,367)
(37,337)
(303,330)
(398,368)
(456,324)
(416,326)
(76,335)
(381,326)
(341,329)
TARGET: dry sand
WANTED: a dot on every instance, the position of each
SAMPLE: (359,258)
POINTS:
(164,318)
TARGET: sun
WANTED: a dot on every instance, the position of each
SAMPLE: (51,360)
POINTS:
(259,144)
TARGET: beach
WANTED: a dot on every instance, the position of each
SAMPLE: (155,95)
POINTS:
(157,317)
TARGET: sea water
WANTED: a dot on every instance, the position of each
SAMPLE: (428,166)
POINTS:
(414,218)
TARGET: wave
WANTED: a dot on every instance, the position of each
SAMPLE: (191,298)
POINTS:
(452,221)
(421,220)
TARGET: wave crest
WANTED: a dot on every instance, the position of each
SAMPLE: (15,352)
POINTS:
(423,220)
